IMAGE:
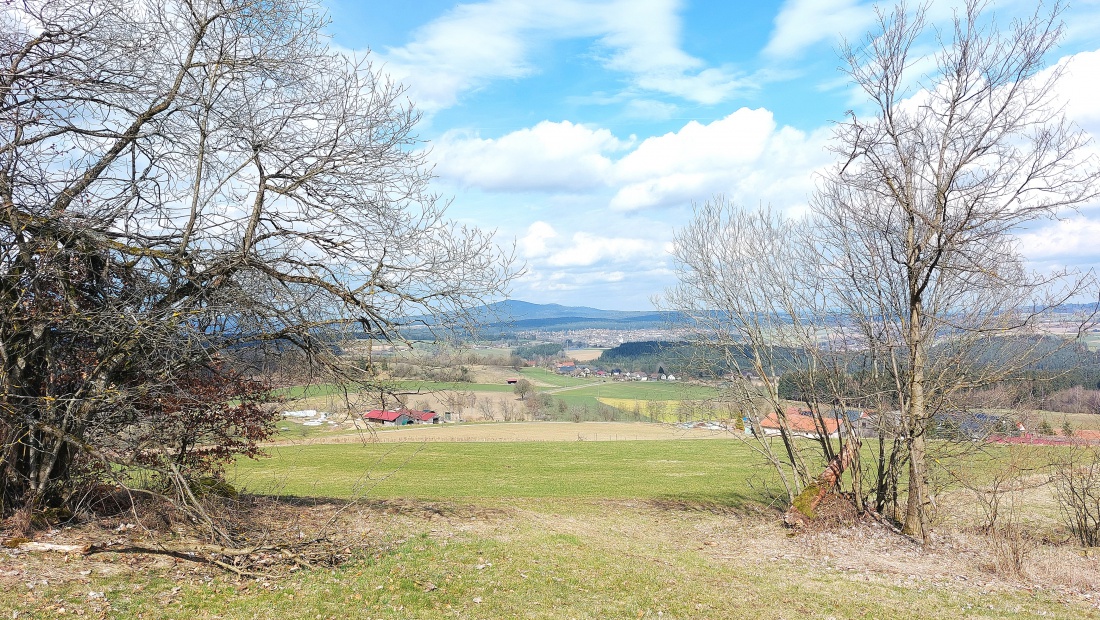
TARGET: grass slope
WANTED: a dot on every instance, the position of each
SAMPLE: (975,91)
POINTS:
(584,561)
(644,530)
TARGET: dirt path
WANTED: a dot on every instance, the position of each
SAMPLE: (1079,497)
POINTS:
(565,388)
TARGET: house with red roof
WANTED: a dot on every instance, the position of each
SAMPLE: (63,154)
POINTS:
(566,367)
(424,417)
(401,417)
(802,424)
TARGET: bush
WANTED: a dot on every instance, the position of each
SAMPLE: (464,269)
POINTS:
(1077,487)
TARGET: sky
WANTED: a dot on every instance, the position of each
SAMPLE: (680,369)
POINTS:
(583,131)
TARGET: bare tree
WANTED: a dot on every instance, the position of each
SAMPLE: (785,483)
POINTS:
(917,218)
(188,187)
(757,299)
(903,288)
(485,406)
(1076,476)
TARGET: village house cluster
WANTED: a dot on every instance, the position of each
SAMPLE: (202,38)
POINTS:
(573,369)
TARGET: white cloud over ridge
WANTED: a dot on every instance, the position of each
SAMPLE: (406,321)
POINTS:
(585,249)
(476,43)
(745,155)
(620,270)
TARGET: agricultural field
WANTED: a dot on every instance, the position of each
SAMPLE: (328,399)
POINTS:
(584,355)
(545,378)
(489,400)
(558,528)
(505,432)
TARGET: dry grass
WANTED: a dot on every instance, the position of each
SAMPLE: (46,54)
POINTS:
(584,355)
(515,431)
(571,559)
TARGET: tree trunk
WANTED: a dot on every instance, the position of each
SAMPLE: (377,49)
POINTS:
(802,508)
(917,516)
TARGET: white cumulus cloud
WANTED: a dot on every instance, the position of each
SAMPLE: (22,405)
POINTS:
(547,157)
(543,243)
(1079,89)
(744,155)
(534,243)
(1072,239)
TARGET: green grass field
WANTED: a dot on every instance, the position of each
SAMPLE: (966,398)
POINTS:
(310,391)
(552,378)
(715,471)
(654,530)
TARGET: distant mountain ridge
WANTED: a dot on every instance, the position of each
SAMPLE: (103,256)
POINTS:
(522,315)
(513,315)
(522,310)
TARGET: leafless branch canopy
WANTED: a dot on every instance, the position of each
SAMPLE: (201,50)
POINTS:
(908,261)
(189,184)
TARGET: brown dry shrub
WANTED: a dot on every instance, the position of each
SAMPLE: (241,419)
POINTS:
(1077,487)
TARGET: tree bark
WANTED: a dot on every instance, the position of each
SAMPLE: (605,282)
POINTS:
(803,506)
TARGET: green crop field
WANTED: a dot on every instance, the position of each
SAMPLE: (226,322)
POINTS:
(551,378)
(310,391)
(647,390)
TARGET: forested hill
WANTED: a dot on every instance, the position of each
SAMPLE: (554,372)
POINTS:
(1058,367)
(526,315)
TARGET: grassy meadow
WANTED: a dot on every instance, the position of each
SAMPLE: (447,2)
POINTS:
(712,472)
(556,529)
(564,520)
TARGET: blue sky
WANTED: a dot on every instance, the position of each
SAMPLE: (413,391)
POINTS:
(585,129)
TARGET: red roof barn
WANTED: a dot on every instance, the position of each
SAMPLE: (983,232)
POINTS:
(388,418)
(425,417)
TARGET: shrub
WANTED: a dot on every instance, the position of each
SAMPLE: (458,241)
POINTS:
(1077,487)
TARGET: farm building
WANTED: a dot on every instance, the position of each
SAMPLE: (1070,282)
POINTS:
(389,418)
(801,423)
(425,417)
